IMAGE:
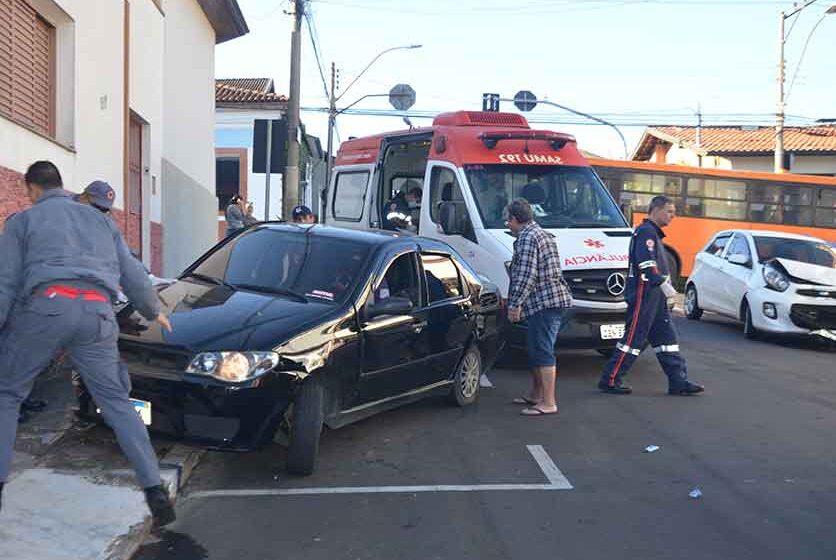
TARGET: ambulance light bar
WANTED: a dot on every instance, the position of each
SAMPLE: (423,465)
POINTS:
(555,139)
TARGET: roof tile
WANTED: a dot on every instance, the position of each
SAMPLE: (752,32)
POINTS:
(719,140)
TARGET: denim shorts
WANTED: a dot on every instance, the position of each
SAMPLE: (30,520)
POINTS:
(543,327)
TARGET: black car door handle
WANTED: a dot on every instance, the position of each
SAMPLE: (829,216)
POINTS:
(419,326)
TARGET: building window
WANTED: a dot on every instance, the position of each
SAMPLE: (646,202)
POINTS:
(230,175)
(27,67)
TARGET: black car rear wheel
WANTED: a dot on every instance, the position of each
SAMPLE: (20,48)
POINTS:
(305,428)
(465,389)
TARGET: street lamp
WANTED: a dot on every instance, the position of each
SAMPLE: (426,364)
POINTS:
(333,99)
(782,39)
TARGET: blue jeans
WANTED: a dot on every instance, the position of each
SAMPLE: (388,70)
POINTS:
(543,327)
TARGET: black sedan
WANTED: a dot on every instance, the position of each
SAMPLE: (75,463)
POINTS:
(292,328)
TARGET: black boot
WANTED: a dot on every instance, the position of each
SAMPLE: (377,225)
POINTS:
(687,390)
(618,389)
(160,505)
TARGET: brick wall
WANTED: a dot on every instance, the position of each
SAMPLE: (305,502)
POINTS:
(13,199)
(13,196)
(156,249)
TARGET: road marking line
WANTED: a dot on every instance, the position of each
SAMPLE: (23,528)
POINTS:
(374,490)
(557,481)
(550,470)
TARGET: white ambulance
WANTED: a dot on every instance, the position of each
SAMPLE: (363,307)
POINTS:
(469,167)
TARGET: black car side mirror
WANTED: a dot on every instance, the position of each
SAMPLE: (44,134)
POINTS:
(390,306)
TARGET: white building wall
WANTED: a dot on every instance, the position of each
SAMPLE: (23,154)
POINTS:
(189,205)
(816,165)
(90,54)
(764,164)
(147,39)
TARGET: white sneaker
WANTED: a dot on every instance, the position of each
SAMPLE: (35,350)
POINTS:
(484,382)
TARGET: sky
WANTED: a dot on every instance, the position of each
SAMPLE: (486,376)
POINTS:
(633,62)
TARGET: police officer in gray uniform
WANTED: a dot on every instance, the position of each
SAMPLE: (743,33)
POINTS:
(62,264)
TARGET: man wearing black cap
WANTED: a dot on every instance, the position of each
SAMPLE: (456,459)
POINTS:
(303,215)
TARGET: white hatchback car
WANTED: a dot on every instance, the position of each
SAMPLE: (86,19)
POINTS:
(772,282)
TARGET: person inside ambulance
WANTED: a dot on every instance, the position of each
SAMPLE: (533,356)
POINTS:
(403,210)
(535,195)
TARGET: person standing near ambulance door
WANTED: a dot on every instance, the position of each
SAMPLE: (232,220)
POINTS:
(539,294)
(62,266)
(648,319)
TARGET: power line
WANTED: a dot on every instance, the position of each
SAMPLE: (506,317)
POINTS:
(315,44)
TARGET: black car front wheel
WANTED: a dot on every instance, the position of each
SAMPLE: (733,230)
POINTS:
(466,381)
(306,423)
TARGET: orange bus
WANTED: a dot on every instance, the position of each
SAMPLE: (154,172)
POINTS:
(711,200)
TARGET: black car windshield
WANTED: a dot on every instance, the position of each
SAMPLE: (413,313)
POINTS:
(801,250)
(561,197)
(292,264)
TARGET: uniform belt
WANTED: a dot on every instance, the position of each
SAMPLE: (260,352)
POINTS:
(74,293)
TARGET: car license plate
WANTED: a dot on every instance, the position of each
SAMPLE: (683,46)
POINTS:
(610,332)
(143,408)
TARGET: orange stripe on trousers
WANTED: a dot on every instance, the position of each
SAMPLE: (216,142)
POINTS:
(630,334)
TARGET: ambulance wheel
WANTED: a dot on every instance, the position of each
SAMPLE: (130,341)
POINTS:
(306,424)
(692,304)
(465,389)
(749,330)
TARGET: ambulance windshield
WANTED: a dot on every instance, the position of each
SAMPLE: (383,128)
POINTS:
(561,197)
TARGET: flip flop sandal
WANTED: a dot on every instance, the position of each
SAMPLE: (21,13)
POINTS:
(524,400)
(535,411)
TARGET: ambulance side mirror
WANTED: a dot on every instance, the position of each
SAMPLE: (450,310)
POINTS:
(448,213)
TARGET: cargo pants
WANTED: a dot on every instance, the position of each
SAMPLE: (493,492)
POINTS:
(87,332)
(648,320)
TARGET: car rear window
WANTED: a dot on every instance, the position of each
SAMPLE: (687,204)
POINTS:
(801,250)
(316,267)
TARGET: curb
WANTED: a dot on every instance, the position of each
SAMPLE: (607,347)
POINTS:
(176,468)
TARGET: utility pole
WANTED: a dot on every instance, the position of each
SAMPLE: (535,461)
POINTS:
(332,121)
(290,183)
(699,132)
(779,124)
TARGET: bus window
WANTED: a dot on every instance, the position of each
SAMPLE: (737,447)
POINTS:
(826,208)
(714,188)
(711,208)
(656,183)
(765,213)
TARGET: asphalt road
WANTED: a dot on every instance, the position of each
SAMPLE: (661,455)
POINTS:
(758,444)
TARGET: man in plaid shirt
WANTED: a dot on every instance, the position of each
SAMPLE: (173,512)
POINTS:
(539,294)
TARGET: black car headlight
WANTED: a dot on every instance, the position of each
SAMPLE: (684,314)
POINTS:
(233,366)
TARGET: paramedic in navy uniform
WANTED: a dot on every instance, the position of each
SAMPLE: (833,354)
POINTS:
(648,320)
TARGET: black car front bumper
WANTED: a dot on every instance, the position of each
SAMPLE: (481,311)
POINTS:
(205,411)
(580,329)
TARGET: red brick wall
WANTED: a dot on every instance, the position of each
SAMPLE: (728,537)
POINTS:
(156,249)
(13,199)
(13,196)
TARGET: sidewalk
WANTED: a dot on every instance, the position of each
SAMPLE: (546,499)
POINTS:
(71,494)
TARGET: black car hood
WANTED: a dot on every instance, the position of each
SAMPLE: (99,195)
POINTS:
(211,318)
